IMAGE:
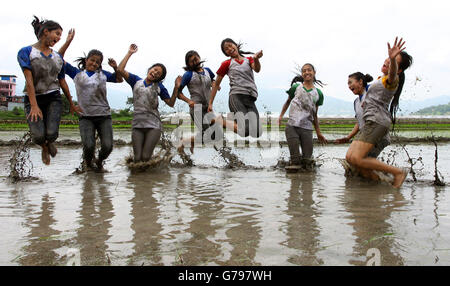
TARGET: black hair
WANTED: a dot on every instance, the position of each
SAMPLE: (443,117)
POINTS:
(405,63)
(40,25)
(164,71)
(299,78)
(228,40)
(366,78)
(82,60)
(186,60)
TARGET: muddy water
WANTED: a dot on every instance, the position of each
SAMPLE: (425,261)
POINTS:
(210,214)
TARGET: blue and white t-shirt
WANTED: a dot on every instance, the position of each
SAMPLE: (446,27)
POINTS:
(46,70)
(91,90)
(199,85)
(145,102)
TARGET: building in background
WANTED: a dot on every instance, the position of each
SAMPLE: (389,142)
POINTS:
(8,97)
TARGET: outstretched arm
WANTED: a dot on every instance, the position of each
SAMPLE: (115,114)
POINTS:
(349,136)
(66,45)
(121,69)
(393,52)
(284,109)
(112,63)
(214,90)
(256,66)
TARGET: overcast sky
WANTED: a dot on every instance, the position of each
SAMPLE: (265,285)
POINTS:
(338,37)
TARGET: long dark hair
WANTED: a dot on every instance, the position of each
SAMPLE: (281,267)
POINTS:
(366,78)
(239,46)
(405,63)
(164,71)
(299,78)
(186,60)
(82,60)
(40,25)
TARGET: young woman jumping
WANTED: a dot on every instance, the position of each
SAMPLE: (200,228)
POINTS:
(379,112)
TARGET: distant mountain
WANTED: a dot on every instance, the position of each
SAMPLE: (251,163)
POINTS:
(442,109)
(407,107)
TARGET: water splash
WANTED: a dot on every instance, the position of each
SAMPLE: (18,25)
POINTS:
(230,158)
(20,163)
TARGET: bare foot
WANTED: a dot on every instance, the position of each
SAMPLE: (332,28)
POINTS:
(45,155)
(52,149)
(399,179)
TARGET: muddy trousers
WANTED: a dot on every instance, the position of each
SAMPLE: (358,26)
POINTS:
(144,142)
(297,137)
(45,129)
(88,126)
(246,114)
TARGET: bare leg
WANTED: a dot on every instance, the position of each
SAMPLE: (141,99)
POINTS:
(357,156)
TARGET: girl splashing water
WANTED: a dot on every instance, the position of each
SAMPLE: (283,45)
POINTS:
(305,99)
(146,124)
(199,81)
(358,83)
(243,91)
(90,82)
(379,111)
(43,69)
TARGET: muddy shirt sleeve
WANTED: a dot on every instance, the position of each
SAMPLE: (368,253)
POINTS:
(291,91)
(211,74)
(320,101)
(70,70)
(23,57)
(185,80)
(163,94)
(132,79)
(110,77)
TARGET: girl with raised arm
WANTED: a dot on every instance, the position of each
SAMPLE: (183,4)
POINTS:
(243,91)
(379,112)
(90,82)
(146,124)
(43,69)
(199,81)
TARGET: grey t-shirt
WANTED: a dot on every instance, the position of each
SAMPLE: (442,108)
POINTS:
(377,100)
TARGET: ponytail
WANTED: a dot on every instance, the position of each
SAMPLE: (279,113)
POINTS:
(82,60)
(186,60)
(405,63)
(366,78)
(40,25)
(239,46)
(299,78)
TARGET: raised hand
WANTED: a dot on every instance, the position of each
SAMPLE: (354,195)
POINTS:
(178,81)
(133,49)
(112,63)
(258,55)
(396,49)
(71,35)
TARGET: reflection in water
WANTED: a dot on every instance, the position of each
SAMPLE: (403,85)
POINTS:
(206,204)
(42,237)
(371,208)
(145,215)
(303,230)
(95,216)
